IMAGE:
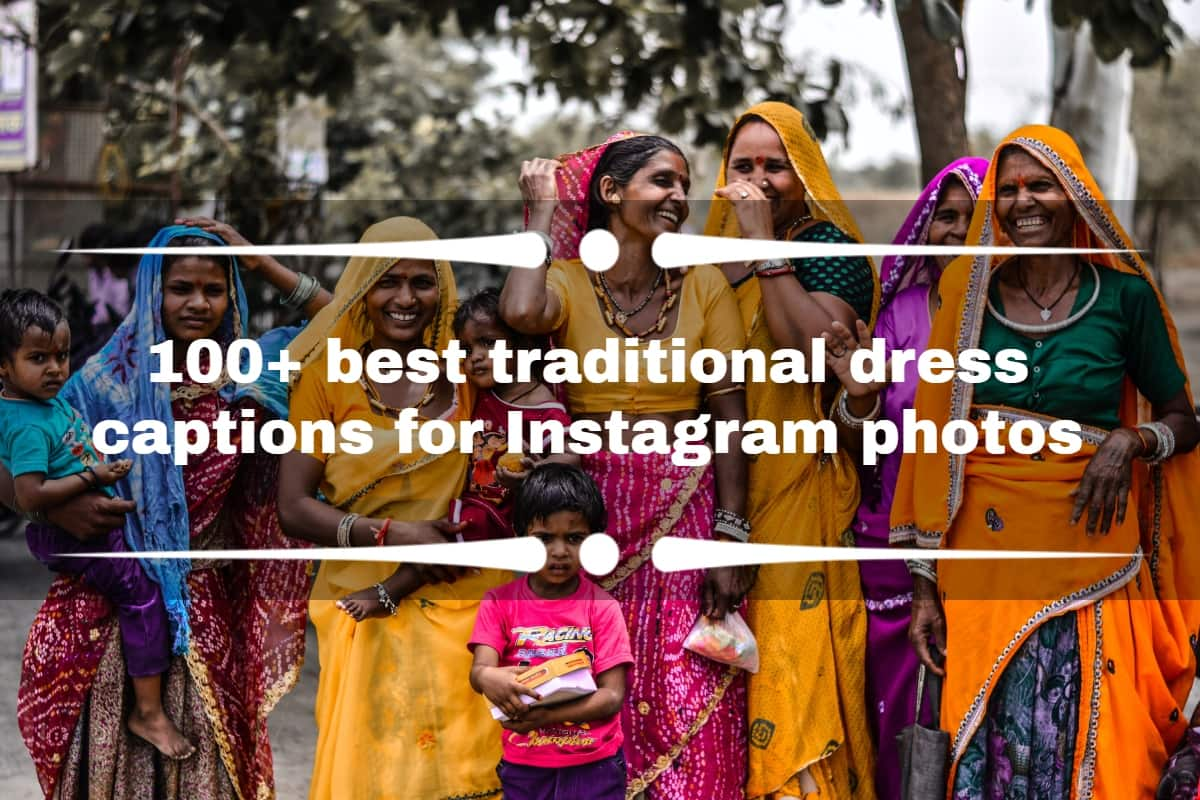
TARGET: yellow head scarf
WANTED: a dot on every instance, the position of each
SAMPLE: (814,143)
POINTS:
(344,317)
(807,161)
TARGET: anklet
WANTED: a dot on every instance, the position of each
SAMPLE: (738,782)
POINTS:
(385,599)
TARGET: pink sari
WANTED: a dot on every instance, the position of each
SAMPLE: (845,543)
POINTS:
(684,715)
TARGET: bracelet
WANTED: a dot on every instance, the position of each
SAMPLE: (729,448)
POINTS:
(305,290)
(95,480)
(774,266)
(1146,449)
(345,526)
(737,387)
(1166,442)
(381,534)
(385,599)
(731,524)
(848,418)
(549,247)
(922,567)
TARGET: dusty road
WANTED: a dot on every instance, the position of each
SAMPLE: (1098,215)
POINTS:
(23,584)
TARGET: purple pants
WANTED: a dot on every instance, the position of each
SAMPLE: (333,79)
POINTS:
(599,780)
(141,615)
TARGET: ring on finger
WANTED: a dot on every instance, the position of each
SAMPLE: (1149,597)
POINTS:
(743,194)
(838,352)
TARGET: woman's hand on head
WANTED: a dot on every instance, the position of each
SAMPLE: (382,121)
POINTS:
(1104,489)
(228,234)
(752,208)
(539,190)
(840,344)
(90,515)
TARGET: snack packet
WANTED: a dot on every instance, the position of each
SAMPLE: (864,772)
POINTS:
(728,641)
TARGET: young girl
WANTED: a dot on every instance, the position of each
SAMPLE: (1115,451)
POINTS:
(486,504)
(571,750)
(47,447)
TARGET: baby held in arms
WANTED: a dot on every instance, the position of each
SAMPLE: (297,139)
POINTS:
(494,473)
(47,447)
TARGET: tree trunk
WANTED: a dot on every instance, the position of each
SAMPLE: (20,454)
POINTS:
(939,95)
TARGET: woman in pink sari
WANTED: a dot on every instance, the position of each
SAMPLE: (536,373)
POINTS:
(940,216)
(684,715)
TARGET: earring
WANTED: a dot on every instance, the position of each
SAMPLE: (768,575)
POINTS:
(616,200)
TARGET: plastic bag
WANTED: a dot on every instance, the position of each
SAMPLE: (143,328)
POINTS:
(728,641)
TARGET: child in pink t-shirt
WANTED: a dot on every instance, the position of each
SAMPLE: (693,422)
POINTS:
(572,750)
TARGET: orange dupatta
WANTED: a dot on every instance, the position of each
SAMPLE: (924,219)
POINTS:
(1137,663)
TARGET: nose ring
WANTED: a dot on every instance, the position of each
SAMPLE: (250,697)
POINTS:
(764,183)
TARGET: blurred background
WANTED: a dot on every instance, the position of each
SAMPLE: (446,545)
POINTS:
(307,121)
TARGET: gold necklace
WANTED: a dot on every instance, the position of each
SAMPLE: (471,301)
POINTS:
(375,400)
(610,314)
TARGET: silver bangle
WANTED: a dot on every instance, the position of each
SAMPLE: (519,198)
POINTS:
(385,599)
(305,290)
(922,567)
(344,529)
(848,418)
(1165,438)
(731,524)
(549,247)
(773,264)
(732,531)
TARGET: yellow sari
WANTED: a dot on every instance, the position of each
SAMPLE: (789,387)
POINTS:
(808,720)
(1133,615)
(396,715)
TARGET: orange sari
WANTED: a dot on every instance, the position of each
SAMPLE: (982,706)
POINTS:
(1134,614)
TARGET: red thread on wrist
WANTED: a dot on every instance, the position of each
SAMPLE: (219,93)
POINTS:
(381,534)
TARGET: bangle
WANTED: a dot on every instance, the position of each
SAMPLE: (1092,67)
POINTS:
(385,599)
(95,479)
(345,527)
(1146,449)
(848,418)
(381,534)
(922,567)
(737,387)
(549,247)
(774,266)
(1166,442)
(305,290)
(731,524)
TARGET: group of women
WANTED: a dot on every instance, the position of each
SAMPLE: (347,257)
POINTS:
(1064,681)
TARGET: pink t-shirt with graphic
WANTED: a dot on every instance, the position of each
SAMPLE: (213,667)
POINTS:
(526,630)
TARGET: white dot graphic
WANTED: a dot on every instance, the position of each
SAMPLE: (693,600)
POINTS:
(599,554)
(599,250)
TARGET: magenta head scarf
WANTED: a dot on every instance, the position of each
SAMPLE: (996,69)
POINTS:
(900,272)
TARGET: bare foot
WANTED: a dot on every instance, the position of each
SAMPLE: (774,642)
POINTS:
(108,473)
(362,604)
(158,729)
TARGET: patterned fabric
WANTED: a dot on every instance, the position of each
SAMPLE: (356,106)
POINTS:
(809,728)
(570,220)
(1026,746)
(247,643)
(243,624)
(684,715)
(849,279)
(1134,619)
(115,384)
(899,272)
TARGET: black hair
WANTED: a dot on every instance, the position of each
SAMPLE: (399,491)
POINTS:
(20,310)
(225,262)
(96,235)
(551,488)
(484,306)
(621,161)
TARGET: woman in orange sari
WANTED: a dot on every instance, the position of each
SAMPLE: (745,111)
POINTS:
(1066,678)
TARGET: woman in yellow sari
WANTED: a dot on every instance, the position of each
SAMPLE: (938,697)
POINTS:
(396,716)
(1066,678)
(808,723)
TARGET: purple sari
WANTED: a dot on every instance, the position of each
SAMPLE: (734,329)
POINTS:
(904,323)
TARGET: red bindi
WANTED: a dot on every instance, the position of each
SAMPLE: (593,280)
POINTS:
(758,160)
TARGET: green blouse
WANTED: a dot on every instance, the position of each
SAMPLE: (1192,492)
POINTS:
(847,278)
(1076,373)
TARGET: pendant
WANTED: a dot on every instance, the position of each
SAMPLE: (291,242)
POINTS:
(621,316)
(1047,314)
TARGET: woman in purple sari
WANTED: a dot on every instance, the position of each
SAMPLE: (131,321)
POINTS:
(941,215)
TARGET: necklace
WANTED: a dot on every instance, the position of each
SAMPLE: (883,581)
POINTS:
(1021,327)
(1047,311)
(621,315)
(375,400)
(796,223)
(610,314)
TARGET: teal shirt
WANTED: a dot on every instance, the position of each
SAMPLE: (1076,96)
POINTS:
(1077,372)
(45,436)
